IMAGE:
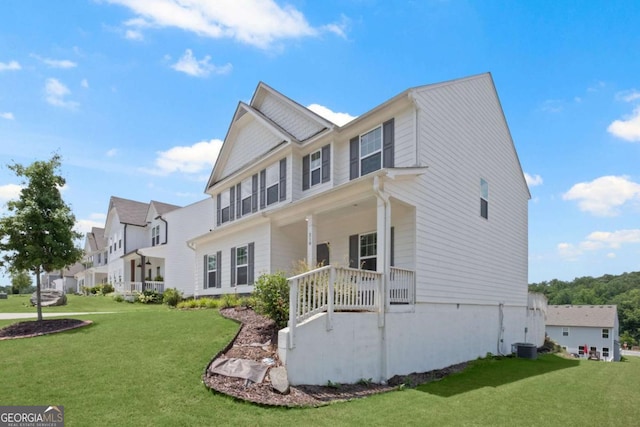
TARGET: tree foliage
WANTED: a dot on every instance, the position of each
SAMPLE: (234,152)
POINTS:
(622,290)
(20,281)
(37,232)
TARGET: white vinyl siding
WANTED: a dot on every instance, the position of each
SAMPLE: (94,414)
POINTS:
(253,139)
(289,118)
(461,261)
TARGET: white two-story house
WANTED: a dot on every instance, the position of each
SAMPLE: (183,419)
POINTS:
(94,261)
(415,211)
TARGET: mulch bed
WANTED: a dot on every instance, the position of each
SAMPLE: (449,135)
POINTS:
(33,328)
(258,329)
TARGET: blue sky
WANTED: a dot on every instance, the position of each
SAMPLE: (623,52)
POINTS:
(136,95)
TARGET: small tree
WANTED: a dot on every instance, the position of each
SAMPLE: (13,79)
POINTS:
(272,297)
(37,233)
(20,281)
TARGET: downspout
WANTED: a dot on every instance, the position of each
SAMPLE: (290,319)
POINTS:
(125,238)
(166,228)
(142,264)
(384,198)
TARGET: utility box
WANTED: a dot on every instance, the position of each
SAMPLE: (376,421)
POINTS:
(526,350)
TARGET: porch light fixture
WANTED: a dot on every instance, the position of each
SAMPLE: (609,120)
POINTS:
(148,262)
(139,265)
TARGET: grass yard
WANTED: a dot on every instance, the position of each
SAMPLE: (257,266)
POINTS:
(75,303)
(142,368)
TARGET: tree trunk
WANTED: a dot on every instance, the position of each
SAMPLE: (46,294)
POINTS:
(38,300)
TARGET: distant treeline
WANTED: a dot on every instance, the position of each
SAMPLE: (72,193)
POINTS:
(622,290)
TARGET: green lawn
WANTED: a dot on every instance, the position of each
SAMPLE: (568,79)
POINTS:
(143,368)
(75,303)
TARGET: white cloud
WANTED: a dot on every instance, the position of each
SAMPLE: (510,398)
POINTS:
(8,116)
(189,64)
(56,93)
(340,119)
(9,192)
(133,35)
(552,106)
(602,196)
(56,63)
(258,23)
(112,152)
(599,240)
(533,180)
(193,159)
(10,66)
(84,83)
(596,86)
(94,220)
(628,128)
(628,95)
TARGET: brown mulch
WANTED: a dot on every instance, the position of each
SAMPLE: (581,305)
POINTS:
(33,328)
(257,329)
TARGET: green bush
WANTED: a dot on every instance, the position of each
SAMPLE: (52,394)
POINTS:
(272,297)
(149,297)
(172,297)
(107,288)
(118,298)
(229,300)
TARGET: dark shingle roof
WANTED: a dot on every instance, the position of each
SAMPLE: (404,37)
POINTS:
(163,208)
(130,211)
(582,315)
(96,239)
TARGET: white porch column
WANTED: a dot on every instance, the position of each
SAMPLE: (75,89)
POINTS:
(311,241)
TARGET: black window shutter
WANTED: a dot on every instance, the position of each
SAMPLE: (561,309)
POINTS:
(254,193)
(250,276)
(219,269)
(392,255)
(263,185)
(388,134)
(354,157)
(305,171)
(283,179)
(218,201)
(239,200)
(232,203)
(205,276)
(326,163)
(353,251)
(233,266)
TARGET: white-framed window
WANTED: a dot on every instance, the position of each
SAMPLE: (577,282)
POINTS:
(273,183)
(157,234)
(225,206)
(158,271)
(368,250)
(153,236)
(581,350)
(119,243)
(246,189)
(99,258)
(212,269)
(484,199)
(565,332)
(242,265)
(371,151)
(605,333)
(605,351)
(315,167)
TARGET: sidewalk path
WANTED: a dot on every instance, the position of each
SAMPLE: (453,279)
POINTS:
(7,316)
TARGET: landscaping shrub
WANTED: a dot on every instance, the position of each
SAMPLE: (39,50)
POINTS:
(107,288)
(230,300)
(118,298)
(172,297)
(272,297)
(149,297)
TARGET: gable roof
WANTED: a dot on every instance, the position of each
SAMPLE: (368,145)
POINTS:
(594,316)
(129,211)
(163,208)
(96,239)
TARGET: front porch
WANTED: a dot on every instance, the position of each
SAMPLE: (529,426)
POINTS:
(127,288)
(331,289)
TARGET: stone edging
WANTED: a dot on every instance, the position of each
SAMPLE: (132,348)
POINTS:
(80,325)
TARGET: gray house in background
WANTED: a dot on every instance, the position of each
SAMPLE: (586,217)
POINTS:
(581,329)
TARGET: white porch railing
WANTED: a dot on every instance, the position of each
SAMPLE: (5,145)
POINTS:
(402,286)
(329,289)
(130,287)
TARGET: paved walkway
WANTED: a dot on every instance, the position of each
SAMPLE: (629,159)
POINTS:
(7,316)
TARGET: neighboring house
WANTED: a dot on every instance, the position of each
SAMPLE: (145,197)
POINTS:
(64,280)
(94,261)
(582,329)
(143,246)
(168,259)
(417,210)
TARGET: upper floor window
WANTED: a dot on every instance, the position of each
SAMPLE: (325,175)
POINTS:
(273,184)
(372,150)
(153,236)
(484,199)
(99,259)
(225,207)
(246,191)
(119,243)
(605,333)
(316,167)
(157,234)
